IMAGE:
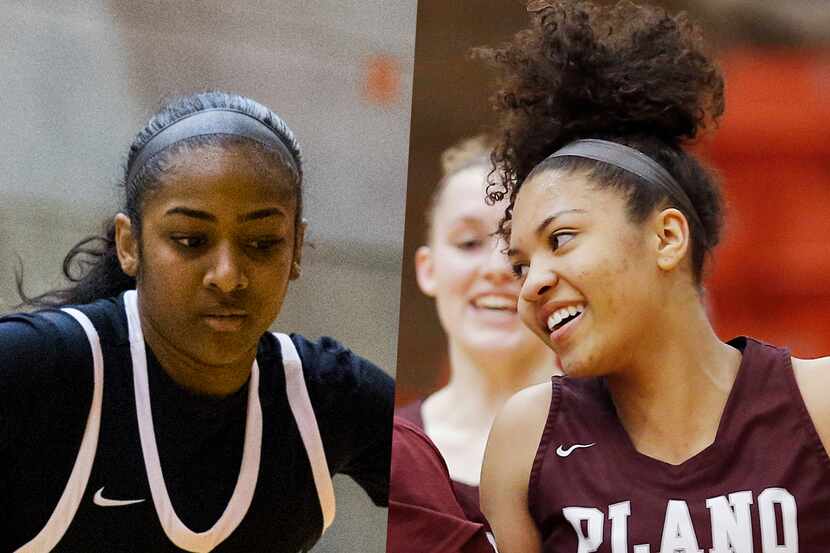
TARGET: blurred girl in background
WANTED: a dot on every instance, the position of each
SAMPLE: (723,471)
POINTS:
(491,354)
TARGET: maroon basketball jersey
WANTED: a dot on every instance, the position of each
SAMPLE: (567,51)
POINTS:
(468,496)
(424,514)
(763,486)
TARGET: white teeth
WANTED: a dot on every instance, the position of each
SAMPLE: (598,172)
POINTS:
(495,302)
(561,314)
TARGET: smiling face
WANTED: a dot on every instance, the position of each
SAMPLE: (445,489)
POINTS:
(591,280)
(465,270)
(218,241)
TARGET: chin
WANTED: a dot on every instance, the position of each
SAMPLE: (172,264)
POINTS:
(488,338)
(577,364)
(499,345)
(218,352)
(574,370)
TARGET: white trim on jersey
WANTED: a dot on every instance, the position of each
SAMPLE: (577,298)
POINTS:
(300,403)
(73,493)
(174,528)
(243,493)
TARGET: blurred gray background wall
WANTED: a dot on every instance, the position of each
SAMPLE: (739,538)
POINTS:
(80,78)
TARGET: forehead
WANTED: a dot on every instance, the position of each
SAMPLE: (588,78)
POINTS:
(224,176)
(463,198)
(552,191)
(554,188)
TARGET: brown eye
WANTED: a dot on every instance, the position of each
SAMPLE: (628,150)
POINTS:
(265,245)
(467,245)
(559,239)
(520,270)
(189,241)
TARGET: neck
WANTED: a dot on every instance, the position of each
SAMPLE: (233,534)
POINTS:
(671,397)
(189,373)
(458,417)
(480,384)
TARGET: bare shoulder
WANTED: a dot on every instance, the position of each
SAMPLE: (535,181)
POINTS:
(527,409)
(813,377)
(518,428)
(508,460)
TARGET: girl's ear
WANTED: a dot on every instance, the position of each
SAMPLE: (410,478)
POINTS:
(299,238)
(425,270)
(126,244)
(672,231)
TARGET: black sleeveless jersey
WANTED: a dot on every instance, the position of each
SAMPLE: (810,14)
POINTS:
(46,384)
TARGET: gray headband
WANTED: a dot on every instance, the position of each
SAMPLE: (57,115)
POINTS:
(208,122)
(633,161)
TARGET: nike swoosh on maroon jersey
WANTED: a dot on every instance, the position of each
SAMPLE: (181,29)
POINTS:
(564,452)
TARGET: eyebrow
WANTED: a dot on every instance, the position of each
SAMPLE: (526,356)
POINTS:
(544,224)
(205,216)
(467,220)
(261,214)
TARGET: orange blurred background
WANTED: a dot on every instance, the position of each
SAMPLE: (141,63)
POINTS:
(771,276)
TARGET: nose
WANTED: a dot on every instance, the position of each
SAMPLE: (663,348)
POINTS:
(225,272)
(497,268)
(539,281)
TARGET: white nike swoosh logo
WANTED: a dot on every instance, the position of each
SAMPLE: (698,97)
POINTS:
(102,501)
(564,452)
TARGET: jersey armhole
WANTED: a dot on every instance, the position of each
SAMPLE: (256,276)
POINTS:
(544,443)
(804,414)
(304,416)
(65,510)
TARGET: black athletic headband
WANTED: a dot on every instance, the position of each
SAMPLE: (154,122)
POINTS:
(633,161)
(215,121)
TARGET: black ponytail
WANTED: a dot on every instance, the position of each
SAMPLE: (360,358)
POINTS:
(93,268)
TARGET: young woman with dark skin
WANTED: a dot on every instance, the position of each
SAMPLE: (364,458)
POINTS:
(661,437)
(157,413)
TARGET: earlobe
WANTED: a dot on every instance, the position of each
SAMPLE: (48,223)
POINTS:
(126,244)
(299,239)
(674,238)
(425,270)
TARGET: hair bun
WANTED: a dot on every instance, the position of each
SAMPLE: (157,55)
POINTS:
(583,71)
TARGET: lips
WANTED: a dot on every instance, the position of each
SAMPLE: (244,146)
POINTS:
(225,319)
(225,313)
(557,319)
(563,316)
(495,302)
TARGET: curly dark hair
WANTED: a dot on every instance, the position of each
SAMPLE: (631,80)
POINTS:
(627,73)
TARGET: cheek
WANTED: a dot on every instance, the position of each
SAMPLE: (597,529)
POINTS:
(528,317)
(270,285)
(166,274)
(269,309)
(616,288)
(166,294)
(454,271)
